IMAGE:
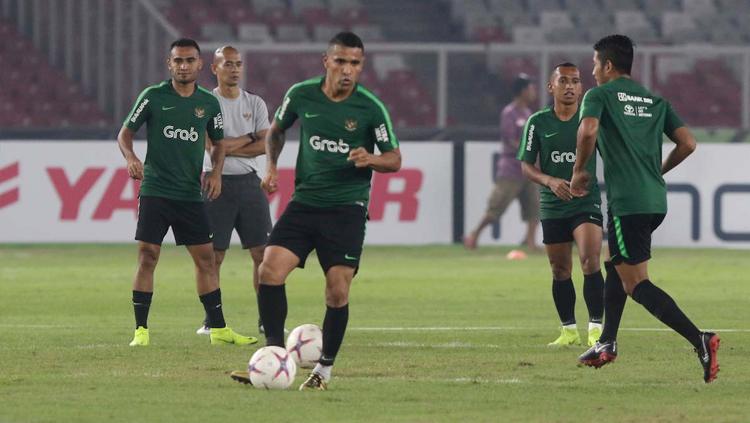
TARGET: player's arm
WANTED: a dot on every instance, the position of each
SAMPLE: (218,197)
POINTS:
(125,142)
(250,145)
(275,138)
(685,145)
(560,187)
(681,136)
(385,162)
(588,130)
(212,182)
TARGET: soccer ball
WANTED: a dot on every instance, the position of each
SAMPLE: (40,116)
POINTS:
(271,368)
(305,345)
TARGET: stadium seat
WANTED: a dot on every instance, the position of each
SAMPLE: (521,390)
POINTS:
(254,32)
(291,33)
(217,31)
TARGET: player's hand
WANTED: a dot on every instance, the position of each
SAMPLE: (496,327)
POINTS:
(270,182)
(212,186)
(360,157)
(579,183)
(561,188)
(135,168)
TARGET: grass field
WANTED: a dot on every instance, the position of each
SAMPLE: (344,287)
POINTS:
(435,334)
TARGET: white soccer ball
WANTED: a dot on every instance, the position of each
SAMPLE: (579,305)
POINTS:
(271,368)
(305,345)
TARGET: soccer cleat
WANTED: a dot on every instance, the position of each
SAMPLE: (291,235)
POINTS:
(314,382)
(203,330)
(140,339)
(600,354)
(567,337)
(707,350)
(225,335)
(241,376)
(595,331)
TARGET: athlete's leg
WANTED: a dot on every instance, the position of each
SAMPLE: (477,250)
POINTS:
(588,237)
(277,263)
(256,254)
(656,301)
(563,291)
(143,283)
(218,260)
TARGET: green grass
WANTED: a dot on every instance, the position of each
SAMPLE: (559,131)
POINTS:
(66,319)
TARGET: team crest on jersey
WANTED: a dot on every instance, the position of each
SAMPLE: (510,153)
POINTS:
(247,115)
(200,112)
(350,125)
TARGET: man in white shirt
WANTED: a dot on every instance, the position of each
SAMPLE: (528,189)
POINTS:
(242,205)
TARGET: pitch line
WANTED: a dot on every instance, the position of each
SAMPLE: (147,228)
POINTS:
(506,329)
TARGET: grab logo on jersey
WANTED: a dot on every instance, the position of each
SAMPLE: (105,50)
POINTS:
(182,134)
(560,157)
(319,144)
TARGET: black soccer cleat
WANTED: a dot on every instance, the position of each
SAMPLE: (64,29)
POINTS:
(600,354)
(707,354)
(241,376)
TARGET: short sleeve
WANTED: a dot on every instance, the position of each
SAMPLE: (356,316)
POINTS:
(592,104)
(671,121)
(215,124)
(382,127)
(261,115)
(286,114)
(141,111)
(528,150)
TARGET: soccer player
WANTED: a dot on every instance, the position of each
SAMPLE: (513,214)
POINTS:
(177,113)
(242,205)
(626,122)
(509,181)
(550,137)
(341,124)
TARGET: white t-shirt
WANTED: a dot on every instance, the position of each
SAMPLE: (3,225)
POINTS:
(242,115)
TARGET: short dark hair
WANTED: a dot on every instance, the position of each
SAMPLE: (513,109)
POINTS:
(347,39)
(564,65)
(185,42)
(520,83)
(618,49)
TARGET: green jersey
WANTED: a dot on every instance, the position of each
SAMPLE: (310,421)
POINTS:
(631,124)
(553,142)
(329,131)
(176,128)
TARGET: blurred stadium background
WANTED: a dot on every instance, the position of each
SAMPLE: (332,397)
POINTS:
(72,69)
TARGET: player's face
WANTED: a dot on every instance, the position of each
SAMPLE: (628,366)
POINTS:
(228,68)
(184,64)
(599,72)
(565,85)
(343,66)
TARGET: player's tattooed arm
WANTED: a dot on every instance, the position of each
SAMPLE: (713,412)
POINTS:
(275,138)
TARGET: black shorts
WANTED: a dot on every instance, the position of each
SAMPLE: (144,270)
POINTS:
(555,231)
(335,233)
(629,237)
(242,206)
(188,220)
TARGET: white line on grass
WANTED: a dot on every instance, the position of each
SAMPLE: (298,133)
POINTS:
(408,328)
(504,329)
